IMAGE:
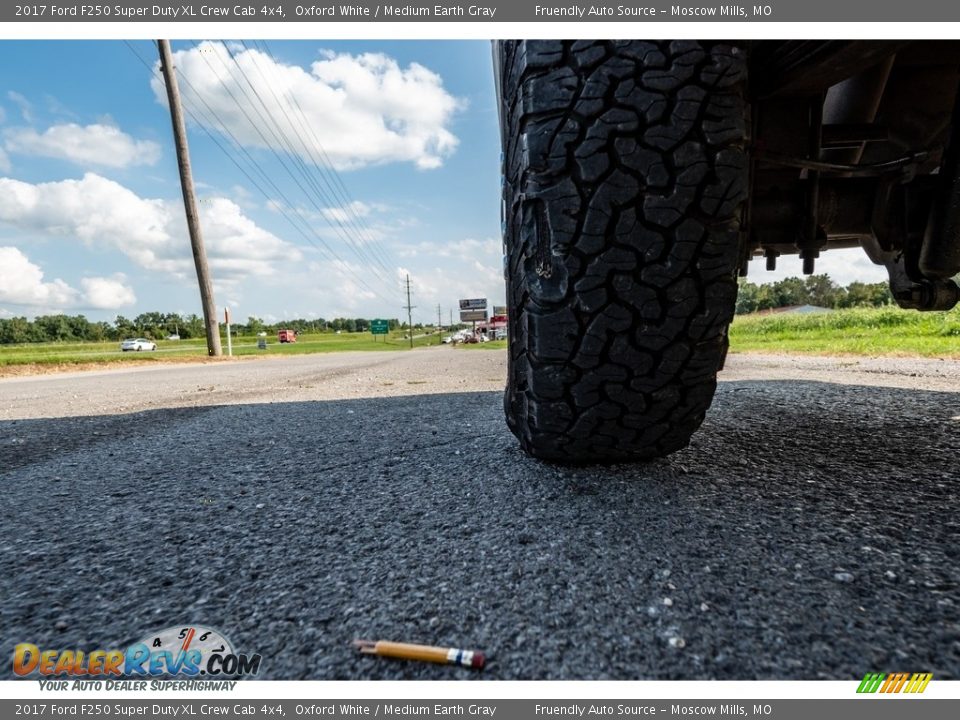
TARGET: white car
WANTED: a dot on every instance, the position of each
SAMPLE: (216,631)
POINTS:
(138,344)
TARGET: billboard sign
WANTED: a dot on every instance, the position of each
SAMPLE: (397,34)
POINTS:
(473,315)
(474,304)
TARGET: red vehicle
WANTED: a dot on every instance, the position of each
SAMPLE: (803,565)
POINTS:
(287,336)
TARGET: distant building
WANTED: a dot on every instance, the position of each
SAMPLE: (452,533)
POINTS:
(493,325)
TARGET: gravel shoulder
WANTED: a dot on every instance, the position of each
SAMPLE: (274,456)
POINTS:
(295,378)
(421,371)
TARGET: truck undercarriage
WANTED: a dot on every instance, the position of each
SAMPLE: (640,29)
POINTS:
(854,145)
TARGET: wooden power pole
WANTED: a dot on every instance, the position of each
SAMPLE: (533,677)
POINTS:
(439,327)
(189,201)
(409,314)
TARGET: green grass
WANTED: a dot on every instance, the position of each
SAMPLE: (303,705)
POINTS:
(856,331)
(490,345)
(73,353)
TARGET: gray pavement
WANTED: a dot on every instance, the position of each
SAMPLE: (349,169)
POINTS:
(810,530)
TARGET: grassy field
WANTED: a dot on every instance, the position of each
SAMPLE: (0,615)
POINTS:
(856,331)
(859,331)
(491,345)
(109,352)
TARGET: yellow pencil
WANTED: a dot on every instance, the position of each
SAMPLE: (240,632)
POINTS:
(426,653)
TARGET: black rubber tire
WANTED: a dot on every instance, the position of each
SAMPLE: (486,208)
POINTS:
(625,183)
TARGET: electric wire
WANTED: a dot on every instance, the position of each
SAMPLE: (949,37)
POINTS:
(340,187)
(270,146)
(217,122)
(353,231)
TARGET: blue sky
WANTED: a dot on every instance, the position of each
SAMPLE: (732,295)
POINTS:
(90,213)
(91,219)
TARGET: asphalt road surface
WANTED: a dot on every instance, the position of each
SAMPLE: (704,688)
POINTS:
(809,531)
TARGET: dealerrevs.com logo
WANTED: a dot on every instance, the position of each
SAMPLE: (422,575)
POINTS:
(911,683)
(191,651)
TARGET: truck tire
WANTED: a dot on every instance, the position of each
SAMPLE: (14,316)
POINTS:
(625,180)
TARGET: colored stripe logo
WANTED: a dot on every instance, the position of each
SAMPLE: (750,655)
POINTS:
(894,682)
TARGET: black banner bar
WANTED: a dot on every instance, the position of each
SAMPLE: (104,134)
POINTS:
(633,12)
(231,708)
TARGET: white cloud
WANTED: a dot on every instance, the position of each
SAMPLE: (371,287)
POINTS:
(449,271)
(26,108)
(357,109)
(22,283)
(343,214)
(324,288)
(86,145)
(151,232)
(237,246)
(843,266)
(489,250)
(330,223)
(55,107)
(107,293)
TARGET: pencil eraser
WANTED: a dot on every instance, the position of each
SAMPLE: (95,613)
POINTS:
(478,660)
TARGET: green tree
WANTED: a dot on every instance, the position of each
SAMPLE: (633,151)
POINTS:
(100,331)
(767,297)
(747,296)
(255,325)
(172,323)
(790,291)
(125,328)
(151,324)
(80,328)
(53,328)
(193,327)
(15,330)
(822,291)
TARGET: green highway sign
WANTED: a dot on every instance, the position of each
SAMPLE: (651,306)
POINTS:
(379,327)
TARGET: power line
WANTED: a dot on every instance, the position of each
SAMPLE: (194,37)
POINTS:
(280,136)
(321,166)
(326,249)
(331,171)
(269,146)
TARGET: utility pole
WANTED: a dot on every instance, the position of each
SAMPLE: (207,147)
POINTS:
(409,315)
(189,201)
(439,327)
(226,320)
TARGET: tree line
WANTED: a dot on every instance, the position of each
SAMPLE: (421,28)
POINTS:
(817,290)
(814,290)
(157,326)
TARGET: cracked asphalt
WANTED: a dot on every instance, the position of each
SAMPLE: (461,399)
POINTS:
(809,531)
